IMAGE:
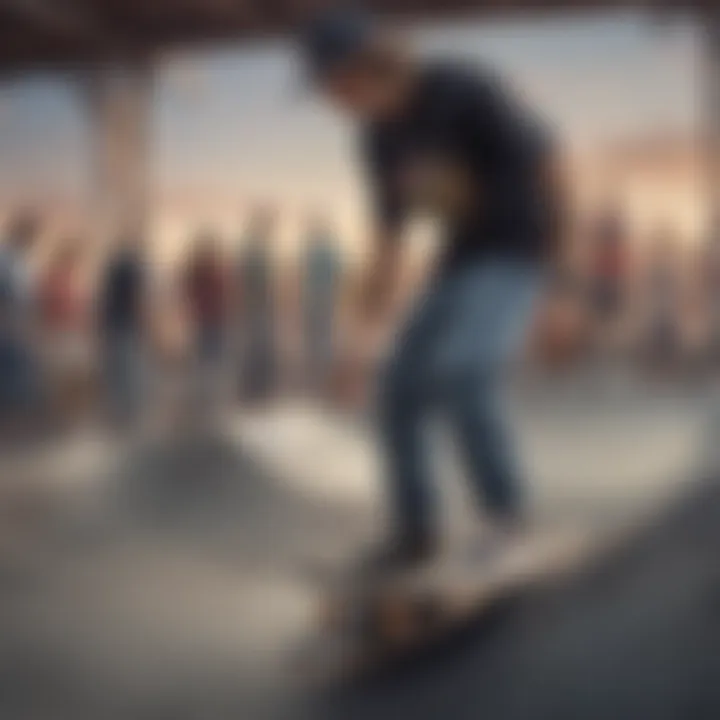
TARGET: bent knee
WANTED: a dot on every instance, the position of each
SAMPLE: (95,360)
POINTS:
(399,386)
(479,385)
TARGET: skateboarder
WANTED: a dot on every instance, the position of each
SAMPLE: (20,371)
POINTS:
(449,140)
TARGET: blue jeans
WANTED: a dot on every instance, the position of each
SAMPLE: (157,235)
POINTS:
(210,343)
(451,357)
(319,343)
(124,374)
(19,377)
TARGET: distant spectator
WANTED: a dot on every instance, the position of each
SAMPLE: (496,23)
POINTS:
(207,295)
(63,316)
(19,379)
(609,266)
(122,329)
(321,280)
(60,291)
(257,307)
(663,292)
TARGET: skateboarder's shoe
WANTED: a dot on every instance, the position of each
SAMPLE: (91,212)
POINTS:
(497,541)
(400,555)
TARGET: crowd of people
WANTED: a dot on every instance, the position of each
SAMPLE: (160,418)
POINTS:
(78,330)
(75,329)
(655,298)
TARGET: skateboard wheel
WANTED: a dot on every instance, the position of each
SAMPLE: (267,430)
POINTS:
(431,612)
(332,612)
(397,622)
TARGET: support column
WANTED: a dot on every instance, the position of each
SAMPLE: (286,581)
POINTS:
(712,33)
(712,113)
(119,101)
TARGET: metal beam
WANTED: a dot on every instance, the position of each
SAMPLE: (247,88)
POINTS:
(56,18)
(61,32)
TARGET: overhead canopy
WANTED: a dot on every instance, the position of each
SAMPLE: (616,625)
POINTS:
(36,33)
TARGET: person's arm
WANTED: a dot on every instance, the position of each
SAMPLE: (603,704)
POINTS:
(563,249)
(379,278)
(374,292)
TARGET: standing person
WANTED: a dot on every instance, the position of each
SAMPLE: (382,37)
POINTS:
(206,290)
(257,307)
(19,378)
(663,298)
(320,287)
(63,319)
(449,140)
(122,309)
(609,270)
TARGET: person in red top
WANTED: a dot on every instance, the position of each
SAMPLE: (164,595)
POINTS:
(62,306)
(207,292)
(61,298)
(609,266)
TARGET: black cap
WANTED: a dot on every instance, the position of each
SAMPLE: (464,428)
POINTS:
(335,37)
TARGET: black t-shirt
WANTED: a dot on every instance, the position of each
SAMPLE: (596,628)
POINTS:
(468,120)
(121,304)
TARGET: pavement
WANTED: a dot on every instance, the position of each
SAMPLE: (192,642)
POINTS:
(165,577)
(634,635)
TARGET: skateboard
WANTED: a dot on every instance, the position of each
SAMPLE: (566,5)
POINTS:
(366,624)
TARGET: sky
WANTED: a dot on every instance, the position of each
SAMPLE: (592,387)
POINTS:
(236,124)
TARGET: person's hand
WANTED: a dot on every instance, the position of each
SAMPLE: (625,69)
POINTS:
(349,383)
(355,369)
(438,185)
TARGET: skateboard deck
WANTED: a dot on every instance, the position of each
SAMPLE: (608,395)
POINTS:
(365,624)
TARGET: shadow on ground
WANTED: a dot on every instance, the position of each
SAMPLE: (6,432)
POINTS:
(160,598)
(635,636)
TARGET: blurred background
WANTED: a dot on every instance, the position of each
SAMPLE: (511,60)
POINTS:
(182,229)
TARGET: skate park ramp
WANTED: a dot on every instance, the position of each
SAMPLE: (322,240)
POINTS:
(635,635)
(161,579)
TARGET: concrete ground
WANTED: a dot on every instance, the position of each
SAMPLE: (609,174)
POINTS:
(165,578)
